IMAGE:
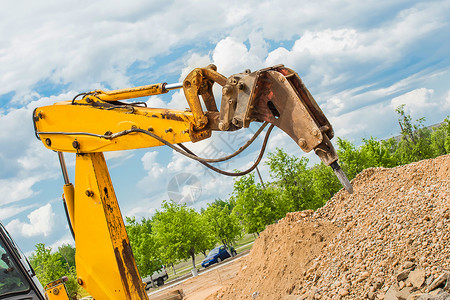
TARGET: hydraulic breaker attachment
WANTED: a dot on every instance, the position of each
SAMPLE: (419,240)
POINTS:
(277,95)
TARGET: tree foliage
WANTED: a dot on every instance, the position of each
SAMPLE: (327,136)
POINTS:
(50,266)
(255,207)
(415,143)
(225,225)
(181,232)
(67,252)
(144,245)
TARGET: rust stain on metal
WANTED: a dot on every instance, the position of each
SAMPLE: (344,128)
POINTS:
(171,116)
(128,257)
(122,271)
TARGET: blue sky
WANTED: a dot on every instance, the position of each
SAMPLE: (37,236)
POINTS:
(360,60)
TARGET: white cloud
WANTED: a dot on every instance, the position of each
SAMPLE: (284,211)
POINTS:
(416,101)
(195,60)
(143,210)
(65,240)
(178,101)
(40,222)
(122,155)
(25,161)
(232,56)
(15,189)
(11,211)
(156,102)
(151,165)
(180,163)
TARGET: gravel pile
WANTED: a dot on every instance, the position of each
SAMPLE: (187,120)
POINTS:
(388,240)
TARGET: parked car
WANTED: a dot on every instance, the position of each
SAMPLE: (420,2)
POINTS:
(218,254)
(158,277)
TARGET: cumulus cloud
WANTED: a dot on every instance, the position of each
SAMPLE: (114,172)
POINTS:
(144,209)
(231,56)
(11,211)
(416,101)
(25,161)
(151,165)
(15,189)
(65,240)
(40,222)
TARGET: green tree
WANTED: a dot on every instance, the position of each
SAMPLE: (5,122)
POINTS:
(224,223)
(67,253)
(415,143)
(144,245)
(376,153)
(255,207)
(49,267)
(209,240)
(295,181)
(179,231)
(324,183)
(350,158)
(440,139)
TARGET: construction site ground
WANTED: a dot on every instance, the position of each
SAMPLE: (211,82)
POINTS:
(207,283)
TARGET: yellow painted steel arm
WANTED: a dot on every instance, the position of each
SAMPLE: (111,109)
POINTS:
(141,91)
(86,129)
(105,264)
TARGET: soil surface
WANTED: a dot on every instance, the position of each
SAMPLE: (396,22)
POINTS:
(388,240)
(207,283)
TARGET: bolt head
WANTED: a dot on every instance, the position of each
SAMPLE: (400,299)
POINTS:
(226,90)
(301,142)
(237,121)
(315,132)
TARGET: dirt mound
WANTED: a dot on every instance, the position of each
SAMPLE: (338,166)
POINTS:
(388,240)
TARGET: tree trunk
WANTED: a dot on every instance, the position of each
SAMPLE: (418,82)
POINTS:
(173,268)
(194,270)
